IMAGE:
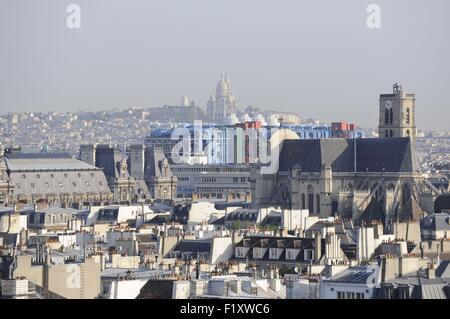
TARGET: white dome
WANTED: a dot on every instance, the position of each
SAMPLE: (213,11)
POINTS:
(222,88)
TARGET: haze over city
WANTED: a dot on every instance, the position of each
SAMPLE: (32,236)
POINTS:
(315,58)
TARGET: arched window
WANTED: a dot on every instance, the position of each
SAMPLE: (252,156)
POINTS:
(318,202)
(303,201)
(386,116)
(391,115)
(406,193)
(311,199)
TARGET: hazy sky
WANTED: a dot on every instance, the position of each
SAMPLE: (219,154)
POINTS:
(314,57)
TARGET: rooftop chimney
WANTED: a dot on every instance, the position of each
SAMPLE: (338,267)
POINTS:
(431,273)
(318,246)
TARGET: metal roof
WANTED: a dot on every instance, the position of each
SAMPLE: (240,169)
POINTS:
(50,164)
(357,275)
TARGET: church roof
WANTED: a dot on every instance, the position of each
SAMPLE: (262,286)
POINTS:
(372,155)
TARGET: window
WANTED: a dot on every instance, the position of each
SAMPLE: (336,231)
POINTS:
(290,254)
(273,253)
(239,252)
(33,185)
(311,199)
(38,176)
(257,253)
(106,287)
(308,254)
(303,201)
(52,175)
(408,116)
(318,202)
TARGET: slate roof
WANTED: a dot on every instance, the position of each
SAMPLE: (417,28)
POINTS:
(432,290)
(372,155)
(159,220)
(278,242)
(242,215)
(443,271)
(9,240)
(349,250)
(153,161)
(193,246)
(436,222)
(47,163)
(418,285)
(442,202)
(357,275)
(54,176)
(273,220)
(318,226)
(373,212)
(108,157)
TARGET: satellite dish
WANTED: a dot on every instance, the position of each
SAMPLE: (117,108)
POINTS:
(296,270)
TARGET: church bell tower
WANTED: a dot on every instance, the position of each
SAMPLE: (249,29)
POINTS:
(397,114)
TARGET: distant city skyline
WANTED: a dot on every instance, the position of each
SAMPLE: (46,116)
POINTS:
(315,58)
